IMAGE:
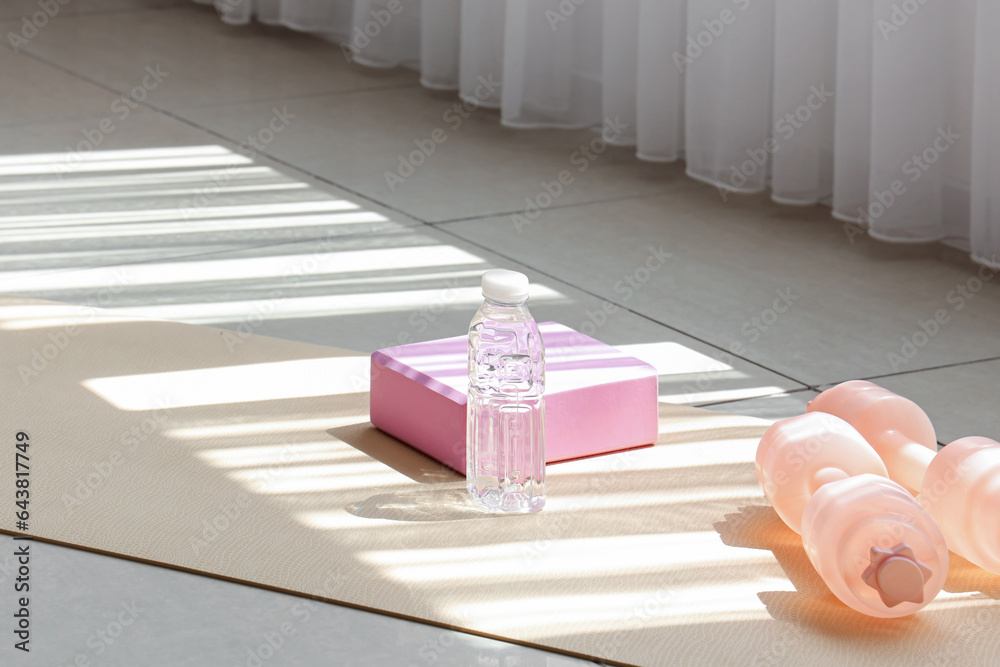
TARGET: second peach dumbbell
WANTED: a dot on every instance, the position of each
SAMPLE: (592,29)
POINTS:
(877,550)
(959,486)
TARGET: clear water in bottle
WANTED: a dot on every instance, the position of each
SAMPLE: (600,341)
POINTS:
(506,404)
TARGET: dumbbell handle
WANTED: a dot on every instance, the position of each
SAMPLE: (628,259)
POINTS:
(895,427)
(825,476)
(905,459)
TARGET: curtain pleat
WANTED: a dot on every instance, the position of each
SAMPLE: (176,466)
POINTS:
(619,70)
(660,80)
(482,51)
(985,181)
(805,59)
(853,109)
(393,30)
(552,64)
(728,62)
(887,110)
(441,26)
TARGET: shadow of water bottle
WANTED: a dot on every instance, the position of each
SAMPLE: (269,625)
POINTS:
(441,502)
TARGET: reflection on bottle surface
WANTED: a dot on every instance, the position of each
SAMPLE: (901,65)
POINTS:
(506,411)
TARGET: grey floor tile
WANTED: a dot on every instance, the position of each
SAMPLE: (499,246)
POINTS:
(37,93)
(961,400)
(90,609)
(17,9)
(374,290)
(124,127)
(155,188)
(772,408)
(203,60)
(785,285)
(424,153)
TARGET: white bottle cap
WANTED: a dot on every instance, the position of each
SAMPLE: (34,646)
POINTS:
(505,286)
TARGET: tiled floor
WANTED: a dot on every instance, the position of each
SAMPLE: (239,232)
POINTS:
(261,172)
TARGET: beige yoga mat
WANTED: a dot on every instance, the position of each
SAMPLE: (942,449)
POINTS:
(252,459)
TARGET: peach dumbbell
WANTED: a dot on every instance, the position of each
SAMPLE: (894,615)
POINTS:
(959,486)
(875,547)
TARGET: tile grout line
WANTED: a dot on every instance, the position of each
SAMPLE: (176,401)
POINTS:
(219,135)
(302,170)
(625,308)
(804,385)
(932,368)
(562,207)
(322,179)
(289,165)
(754,398)
(111,89)
(308,96)
(317,177)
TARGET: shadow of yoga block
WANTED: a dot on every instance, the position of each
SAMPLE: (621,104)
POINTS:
(597,399)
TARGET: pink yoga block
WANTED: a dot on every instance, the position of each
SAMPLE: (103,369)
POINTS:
(597,399)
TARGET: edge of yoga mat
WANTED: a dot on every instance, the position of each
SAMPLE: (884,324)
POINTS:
(251,459)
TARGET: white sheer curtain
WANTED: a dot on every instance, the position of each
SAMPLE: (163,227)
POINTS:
(887,110)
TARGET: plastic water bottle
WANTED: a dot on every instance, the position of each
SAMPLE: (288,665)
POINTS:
(506,409)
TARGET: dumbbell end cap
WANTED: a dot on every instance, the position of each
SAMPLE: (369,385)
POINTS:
(897,575)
